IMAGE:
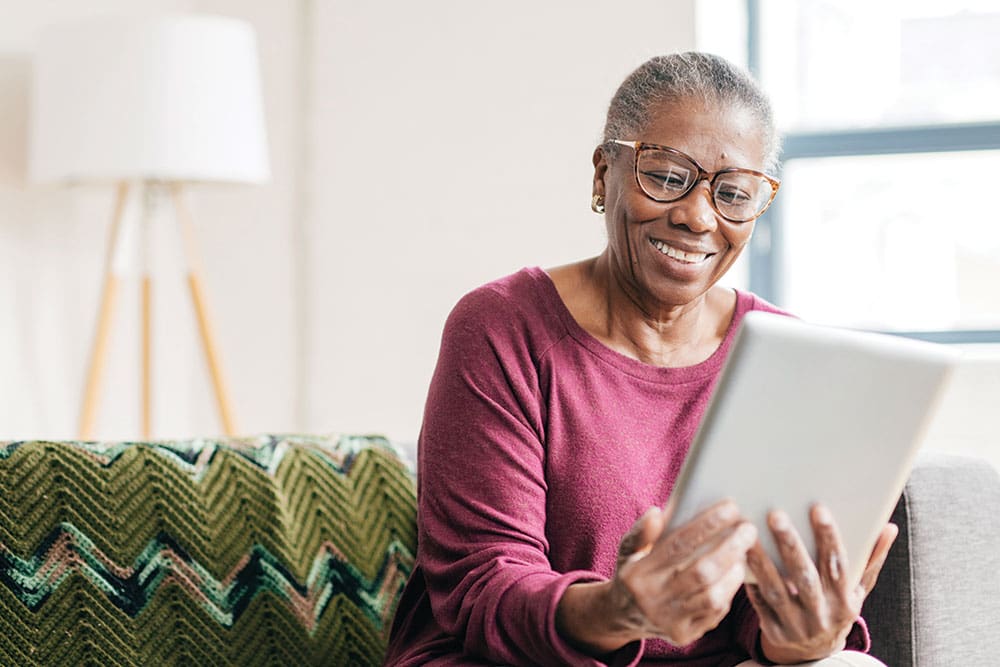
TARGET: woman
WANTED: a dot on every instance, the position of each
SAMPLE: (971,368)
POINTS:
(563,405)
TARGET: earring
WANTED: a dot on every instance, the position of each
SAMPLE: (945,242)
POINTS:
(597,204)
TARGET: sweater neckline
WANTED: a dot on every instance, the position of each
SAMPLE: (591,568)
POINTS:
(671,375)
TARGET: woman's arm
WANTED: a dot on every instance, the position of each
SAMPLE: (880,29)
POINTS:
(482,500)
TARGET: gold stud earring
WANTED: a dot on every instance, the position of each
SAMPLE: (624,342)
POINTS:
(597,204)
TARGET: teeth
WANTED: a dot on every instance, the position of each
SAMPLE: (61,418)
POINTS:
(669,251)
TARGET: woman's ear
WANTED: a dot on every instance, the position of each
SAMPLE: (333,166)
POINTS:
(600,160)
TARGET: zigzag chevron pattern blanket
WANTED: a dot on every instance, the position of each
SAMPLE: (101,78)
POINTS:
(269,551)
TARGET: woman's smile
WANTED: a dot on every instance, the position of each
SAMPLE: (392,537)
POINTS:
(686,257)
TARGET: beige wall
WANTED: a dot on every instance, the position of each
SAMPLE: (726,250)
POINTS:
(52,244)
(968,421)
(451,144)
(418,150)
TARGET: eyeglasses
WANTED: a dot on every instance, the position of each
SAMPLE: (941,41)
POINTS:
(666,174)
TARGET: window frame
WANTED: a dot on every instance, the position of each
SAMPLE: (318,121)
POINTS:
(766,247)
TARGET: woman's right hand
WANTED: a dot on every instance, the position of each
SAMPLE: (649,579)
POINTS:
(675,587)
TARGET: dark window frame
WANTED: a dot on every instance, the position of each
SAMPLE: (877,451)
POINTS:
(767,245)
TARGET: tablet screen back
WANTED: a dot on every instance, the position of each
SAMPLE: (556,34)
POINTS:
(803,414)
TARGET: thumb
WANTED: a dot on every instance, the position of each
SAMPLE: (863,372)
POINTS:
(639,539)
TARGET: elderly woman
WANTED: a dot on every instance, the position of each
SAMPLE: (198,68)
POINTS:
(563,405)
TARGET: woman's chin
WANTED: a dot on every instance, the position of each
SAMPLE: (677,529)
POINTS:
(669,295)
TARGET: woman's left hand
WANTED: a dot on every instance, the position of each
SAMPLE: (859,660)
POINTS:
(808,614)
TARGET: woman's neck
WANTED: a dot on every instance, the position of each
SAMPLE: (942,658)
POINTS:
(657,334)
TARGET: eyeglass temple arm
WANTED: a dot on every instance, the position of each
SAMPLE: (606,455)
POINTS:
(632,144)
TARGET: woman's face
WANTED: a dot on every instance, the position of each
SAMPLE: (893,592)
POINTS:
(641,232)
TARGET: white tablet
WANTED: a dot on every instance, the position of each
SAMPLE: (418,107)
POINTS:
(804,413)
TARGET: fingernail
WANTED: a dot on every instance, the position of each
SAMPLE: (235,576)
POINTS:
(823,515)
(747,533)
(792,589)
(779,520)
(728,510)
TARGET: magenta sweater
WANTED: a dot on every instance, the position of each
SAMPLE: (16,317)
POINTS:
(539,448)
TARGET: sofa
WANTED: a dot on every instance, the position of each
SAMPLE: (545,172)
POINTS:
(293,550)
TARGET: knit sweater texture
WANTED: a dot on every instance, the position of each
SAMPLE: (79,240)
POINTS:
(539,449)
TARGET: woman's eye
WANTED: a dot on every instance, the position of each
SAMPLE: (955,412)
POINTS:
(732,196)
(669,179)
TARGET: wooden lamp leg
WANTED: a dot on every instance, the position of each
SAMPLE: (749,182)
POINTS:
(109,298)
(146,315)
(150,196)
(147,357)
(201,311)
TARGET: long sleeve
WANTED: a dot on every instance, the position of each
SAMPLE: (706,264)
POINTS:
(482,498)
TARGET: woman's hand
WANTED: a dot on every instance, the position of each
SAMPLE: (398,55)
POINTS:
(808,614)
(676,586)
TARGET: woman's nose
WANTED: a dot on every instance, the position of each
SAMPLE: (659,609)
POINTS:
(695,211)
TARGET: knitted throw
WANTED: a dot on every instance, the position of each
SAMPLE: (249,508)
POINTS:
(270,551)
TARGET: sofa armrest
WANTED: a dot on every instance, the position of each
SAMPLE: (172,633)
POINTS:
(938,598)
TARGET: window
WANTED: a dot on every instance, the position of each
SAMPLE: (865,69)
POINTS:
(890,113)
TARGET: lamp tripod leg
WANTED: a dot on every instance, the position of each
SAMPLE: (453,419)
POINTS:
(201,312)
(146,315)
(106,310)
(151,199)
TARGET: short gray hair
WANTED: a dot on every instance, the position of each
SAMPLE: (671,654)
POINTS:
(678,76)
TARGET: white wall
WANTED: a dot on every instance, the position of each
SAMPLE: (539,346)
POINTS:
(451,144)
(329,286)
(52,244)
(968,420)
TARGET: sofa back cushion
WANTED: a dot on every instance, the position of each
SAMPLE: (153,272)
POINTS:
(937,600)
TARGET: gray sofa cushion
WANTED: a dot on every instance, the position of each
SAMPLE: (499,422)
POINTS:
(937,602)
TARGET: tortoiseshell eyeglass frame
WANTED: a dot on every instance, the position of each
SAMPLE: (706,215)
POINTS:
(703,175)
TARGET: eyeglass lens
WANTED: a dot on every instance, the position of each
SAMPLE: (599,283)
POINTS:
(666,177)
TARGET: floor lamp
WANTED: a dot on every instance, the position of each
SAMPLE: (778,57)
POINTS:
(149,103)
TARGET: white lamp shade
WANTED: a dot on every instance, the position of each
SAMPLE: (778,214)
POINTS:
(174,98)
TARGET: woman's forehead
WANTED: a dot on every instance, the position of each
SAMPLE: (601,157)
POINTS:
(716,134)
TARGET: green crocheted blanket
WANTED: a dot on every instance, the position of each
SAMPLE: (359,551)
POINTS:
(266,551)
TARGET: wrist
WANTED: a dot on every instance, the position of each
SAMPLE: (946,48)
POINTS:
(591,618)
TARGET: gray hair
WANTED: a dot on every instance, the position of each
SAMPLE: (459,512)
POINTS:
(677,76)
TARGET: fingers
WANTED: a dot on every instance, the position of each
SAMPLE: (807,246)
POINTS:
(715,563)
(640,538)
(769,620)
(690,617)
(810,610)
(714,600)
(802,580)
(703,592)
(770,595)
(682,584)
(687,542)
(831,556)
(877,559)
